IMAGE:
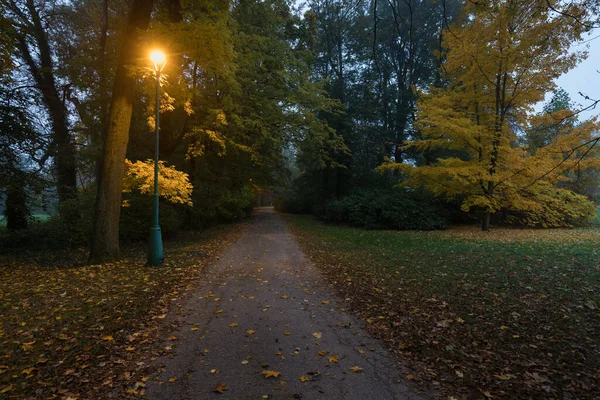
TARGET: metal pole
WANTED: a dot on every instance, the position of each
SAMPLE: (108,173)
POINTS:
(155,247)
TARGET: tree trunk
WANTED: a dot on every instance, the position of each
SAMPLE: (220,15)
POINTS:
(485,225)
(105,235)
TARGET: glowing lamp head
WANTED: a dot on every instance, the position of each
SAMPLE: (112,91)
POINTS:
(159,59)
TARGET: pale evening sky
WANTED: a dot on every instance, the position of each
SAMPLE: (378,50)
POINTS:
(585,78)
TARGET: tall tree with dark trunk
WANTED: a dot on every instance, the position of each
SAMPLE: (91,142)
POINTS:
(34,49)
(105,236)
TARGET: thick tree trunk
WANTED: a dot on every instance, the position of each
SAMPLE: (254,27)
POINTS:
(105,235)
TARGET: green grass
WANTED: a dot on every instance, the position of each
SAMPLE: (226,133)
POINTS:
(38,217)
(511,313)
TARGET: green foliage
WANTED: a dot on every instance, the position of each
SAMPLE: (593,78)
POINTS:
(383,209)
(70,227)
(136,218)
(219,204)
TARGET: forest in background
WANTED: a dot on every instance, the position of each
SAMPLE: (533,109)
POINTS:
(405,114)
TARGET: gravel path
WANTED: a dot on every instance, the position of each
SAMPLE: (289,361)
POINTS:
(265,308)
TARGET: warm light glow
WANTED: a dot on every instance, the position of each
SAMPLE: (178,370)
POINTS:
(159,59)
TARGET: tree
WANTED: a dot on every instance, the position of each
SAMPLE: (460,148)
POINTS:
(542,135)
(105,236)
(501,61)
(34,46)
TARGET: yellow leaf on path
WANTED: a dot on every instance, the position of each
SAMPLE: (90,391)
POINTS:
(172,380)
(334,359)
(250,332)
(29,371)
(317,335)
(6,389)
(325,301)
(220,388)
(356,369)
(270,374)
(219,311)
(323,352)
(194,329)
(285,296)
(304,378)
(287,333)
(129,348)
(172,338)
(410,377)
(504,327)
(233,324)
(107,338)
(162,316)
(214,371)
(460,320)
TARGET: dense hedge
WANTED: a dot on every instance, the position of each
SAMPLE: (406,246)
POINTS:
(383,209)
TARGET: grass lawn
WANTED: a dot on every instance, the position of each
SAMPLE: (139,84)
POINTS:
(511,314)
(74,331)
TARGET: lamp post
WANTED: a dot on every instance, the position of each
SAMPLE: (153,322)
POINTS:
(155,247)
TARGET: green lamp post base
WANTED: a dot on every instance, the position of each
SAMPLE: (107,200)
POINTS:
(155,247)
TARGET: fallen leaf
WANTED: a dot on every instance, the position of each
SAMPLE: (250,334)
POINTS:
(333,359)
(323,352)
(172,380)
(233,324)
(317,335)
(250,332)
(220,388)
(107,338)
(287,333)
(270,374)
(356,369)
(304,378)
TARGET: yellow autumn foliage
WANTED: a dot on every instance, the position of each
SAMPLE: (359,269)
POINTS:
(500,62)
(173,185)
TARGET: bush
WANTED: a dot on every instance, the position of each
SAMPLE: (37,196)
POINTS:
(219,204)
(71,227)
(383,209)
(136,218)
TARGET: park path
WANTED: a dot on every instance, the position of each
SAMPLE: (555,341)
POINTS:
(264,307)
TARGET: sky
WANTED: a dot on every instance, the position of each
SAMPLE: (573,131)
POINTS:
(584,78)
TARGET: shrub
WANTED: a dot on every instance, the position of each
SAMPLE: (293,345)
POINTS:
(383,209)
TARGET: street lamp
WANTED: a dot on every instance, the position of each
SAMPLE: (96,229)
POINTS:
(155,247)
